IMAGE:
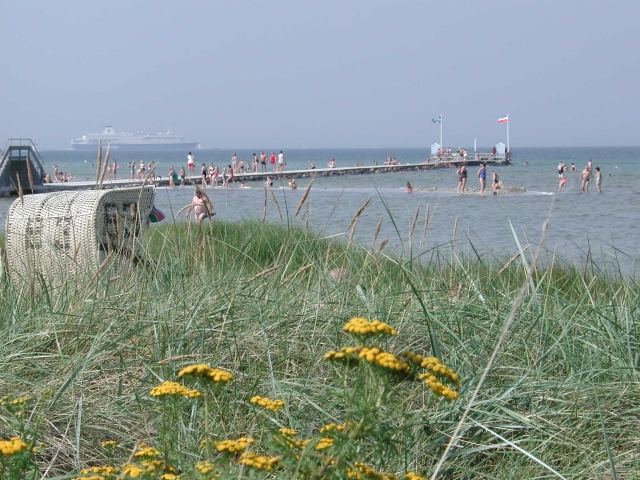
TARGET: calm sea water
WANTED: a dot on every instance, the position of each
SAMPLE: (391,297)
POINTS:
(581,226)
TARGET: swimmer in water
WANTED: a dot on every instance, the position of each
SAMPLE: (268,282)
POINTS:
(409,187)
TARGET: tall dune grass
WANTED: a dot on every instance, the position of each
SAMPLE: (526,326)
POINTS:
(265,302)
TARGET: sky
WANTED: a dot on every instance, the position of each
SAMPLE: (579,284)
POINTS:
(330,73)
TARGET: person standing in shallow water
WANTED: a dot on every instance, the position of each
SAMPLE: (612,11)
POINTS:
(482,175)
(585,176)
(598,180)
(562,178)
(462,177)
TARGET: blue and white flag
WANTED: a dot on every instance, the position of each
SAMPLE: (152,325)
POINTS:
(437,119)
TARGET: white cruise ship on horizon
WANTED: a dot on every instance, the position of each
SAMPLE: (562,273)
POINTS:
(125,141)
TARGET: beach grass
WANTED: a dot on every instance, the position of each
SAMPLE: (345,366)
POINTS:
(265,302)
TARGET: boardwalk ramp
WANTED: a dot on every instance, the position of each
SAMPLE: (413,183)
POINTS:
(21,167)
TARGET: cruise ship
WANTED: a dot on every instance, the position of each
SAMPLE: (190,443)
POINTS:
(125,141)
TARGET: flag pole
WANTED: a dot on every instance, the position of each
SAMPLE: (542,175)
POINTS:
(508,133)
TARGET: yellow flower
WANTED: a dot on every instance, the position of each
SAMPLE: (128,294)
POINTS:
(259,462)
(12,446)
(173,389)
(383,359)
(234,446)
(99,470)
(19,401)
(434,365)
(437,387)
(107,444)
(344,354)
(144,451)
(362,471)
(329,427)
(169,476)
(287,432)
(204,467)
(132,471)
(413,476)
(362,326)
(267,403)
(202,370)
(324,442)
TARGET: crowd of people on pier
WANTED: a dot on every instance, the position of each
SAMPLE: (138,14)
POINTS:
(212,175)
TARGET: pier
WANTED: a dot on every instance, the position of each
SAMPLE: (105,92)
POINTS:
(287,174)
(22,171)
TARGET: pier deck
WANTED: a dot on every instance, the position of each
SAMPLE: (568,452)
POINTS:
(287,174)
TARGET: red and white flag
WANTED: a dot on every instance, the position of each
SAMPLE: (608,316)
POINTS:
(503,119)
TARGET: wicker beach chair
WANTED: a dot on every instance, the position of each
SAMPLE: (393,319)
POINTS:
(52,235)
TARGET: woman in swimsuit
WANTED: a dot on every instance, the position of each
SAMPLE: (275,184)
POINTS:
(201,205)
(462,177)
(482,175)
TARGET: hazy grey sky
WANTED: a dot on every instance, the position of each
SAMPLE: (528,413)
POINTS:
(330,73)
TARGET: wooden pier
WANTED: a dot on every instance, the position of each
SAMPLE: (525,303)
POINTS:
(287,174)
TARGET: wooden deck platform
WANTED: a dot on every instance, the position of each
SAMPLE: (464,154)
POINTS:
(287,174)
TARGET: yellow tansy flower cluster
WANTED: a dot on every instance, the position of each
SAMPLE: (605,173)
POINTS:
(259,462)
(383,359)
(362,471)
(19,401)
(331,427)
(173,389)
(362,326)
(132,471)
(12,446)
(108,444)
(202,370)
(169,476)
(434,365)
(234,446)
(144,467)
(346,353)
(297,443)
(435,370)
(104,472)
(437,387)
(324,442)
(267,403)
(145,451)
(204,467)
(287,432)
(413,476)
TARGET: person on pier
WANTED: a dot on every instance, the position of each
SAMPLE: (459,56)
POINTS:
(263,162)
(191,163)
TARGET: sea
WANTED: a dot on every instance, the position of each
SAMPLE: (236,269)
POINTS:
(587,230)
